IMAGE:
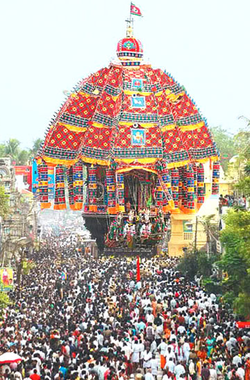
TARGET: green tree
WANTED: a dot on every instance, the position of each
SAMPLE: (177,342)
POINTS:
(236,259)
(23,157)
(12,149)
(35,148)
(4,203)
(4,301)
(225,144)
(2,150)
(244,186)
(211,229)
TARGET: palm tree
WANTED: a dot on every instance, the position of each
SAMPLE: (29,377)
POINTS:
(210,228)
(12,149)
(35,148)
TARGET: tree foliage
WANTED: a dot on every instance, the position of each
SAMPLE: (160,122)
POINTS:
(4,203)
(225,144)
(244,186)
(12,149)
(236,260)
(196,263)
(4,301)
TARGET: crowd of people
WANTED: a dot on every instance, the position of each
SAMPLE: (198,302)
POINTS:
(77,318)
(232,201)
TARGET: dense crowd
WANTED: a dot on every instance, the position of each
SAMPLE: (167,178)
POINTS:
(232,201)
(76,318)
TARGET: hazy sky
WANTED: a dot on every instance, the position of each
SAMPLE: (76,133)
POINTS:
(47,46)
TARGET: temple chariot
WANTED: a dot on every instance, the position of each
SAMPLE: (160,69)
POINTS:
(134,140)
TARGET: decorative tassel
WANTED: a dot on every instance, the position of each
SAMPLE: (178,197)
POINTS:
(92,188)
(159,194)
(70,187)
(190,189)
(120,192)
(200,185)
(184,188)
(78,186)
(175,180)
(180,170)
(111,191)
(168,203)
(43,187)
(195,180)
(216,178)
(59,203)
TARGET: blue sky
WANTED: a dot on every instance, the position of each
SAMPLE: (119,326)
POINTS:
(47,46)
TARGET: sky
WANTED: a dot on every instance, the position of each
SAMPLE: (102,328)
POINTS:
(47,46)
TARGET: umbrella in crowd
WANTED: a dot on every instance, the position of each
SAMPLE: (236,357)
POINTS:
(10,357)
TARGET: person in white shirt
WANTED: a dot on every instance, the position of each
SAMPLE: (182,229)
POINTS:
(213,373)
(186,350)
(147,356)
(240,372)
(149,375)
(150,317)
(179,370)
(179,352)
(154,366)
(170,364)
(236,360)
(162,348)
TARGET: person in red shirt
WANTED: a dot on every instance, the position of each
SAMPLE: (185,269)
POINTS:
(35,376)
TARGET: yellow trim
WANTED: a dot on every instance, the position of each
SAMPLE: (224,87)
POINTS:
(125,170)
(93,161)
(144,125)
(203,160)
(57,161)
(168,127)
(60,185)
(99,125)
(77,183)
(45,205)
(60,207)
(172,97)
(83,94)
(120,208)
(71,127)
(92,208)
(177,164)
(132,92)
(176,211)
(137,160)
(159,93)
(169,207)
(111,210)
(188,211)
(191,127)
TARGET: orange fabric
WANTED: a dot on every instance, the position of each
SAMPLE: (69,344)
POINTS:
(247,373)
(154,303)
(163,361)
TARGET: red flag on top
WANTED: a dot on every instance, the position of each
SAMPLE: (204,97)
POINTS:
(134,10)
(138,273)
